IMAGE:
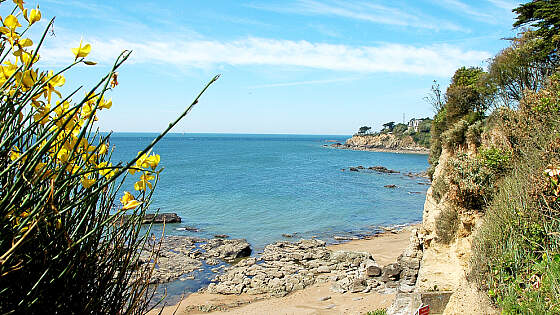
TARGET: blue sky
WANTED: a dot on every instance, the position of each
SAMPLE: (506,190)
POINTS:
(294,66)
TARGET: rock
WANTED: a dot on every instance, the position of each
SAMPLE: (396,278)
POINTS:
(287,235)
(161,218)
(336,287)
(382,169)
(324,298)
(212,262)
(359,298)
(373,271)
(221,236)
(323,269)
(390,186)
(344,238)
(360,167)
(229,249)
(391,272)
(330,306)
(353,169)
(191,229)
(357,285)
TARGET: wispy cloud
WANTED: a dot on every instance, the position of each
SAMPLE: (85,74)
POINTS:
(464,8)
(504,4)
(298,83)
(437,60)
(369,12)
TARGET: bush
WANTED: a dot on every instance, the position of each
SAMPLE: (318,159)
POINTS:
(474,133)
(472,184)
(439,188)
(455,136)
(447,224)
(67,245)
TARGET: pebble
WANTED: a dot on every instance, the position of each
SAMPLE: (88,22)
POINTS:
(357,298)
(324,298)
(328,307)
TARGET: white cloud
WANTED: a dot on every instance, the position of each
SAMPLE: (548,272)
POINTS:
(297,83)
(364,11)
(437,60)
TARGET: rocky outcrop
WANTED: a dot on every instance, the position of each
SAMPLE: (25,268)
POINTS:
(161,218)
(181,255)
(382,142)
(287,266)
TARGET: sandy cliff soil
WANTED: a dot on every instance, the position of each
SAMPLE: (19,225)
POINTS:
(444,266)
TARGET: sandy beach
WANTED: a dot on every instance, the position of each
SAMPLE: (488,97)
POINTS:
(315,299)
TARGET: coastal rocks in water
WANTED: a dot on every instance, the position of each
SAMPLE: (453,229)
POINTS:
(353,169)
(227,249)
(287,235)
(161,218)
(382,169)
(390,186)
(221,236)
(180,255)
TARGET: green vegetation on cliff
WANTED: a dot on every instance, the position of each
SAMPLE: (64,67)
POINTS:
(417,129)
(500,132)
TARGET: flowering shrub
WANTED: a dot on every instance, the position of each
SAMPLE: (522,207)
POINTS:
(67,243)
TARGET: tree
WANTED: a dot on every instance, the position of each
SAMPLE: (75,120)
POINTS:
(544,16)
(470,91)
(389,126)
(363,130)
(519,67)
(435,98)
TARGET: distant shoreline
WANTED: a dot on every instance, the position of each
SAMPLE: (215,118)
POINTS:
(370,149)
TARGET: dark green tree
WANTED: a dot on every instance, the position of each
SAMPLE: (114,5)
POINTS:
(389,126)
(363,130)
(544,17)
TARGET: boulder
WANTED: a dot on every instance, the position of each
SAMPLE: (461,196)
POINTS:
(373,271)
(161,218)
(391,272)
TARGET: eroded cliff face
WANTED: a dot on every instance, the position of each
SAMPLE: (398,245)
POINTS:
(444,266)
(384,142)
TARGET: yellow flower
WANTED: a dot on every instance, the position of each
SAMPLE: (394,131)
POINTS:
(34,16)
(105,104)
(143,182)
(153,161)
(81,51)
(19,4)
(53,81)
(11,22)
(129,202)
(87,182)
(62,155)
(14,154)
(107,171)
(102,149)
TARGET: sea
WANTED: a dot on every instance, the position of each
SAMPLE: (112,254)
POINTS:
(259,187)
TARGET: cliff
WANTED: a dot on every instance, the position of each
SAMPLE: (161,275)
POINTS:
(382,142)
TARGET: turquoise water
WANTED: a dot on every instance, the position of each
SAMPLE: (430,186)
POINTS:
(261,186)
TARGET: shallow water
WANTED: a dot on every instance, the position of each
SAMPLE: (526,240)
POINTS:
(261,186)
